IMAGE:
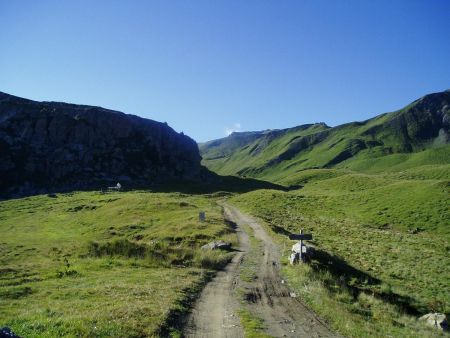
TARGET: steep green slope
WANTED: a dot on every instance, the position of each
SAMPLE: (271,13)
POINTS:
(369,146)
(244,155)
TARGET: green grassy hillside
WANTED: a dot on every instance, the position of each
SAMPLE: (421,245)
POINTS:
(97,265)
(375,194)
(417,134)
(382,240)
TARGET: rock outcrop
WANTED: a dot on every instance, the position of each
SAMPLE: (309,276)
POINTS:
(58,146)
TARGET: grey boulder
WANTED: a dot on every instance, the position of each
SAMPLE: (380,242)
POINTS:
(217,245)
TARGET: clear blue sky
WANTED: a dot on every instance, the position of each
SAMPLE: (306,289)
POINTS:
(208,66)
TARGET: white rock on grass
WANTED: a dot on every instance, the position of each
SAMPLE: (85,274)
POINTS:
(437,320)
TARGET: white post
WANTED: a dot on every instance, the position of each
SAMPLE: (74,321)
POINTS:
(301,246)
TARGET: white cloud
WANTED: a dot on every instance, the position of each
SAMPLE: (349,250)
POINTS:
(235,127)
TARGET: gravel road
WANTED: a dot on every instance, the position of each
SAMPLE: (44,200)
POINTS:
(215,314)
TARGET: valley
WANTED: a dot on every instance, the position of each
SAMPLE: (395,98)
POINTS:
(225,169)
(79,261)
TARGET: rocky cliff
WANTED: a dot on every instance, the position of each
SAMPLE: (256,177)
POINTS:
(58,146)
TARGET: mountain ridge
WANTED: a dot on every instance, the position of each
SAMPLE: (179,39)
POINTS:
(421,125)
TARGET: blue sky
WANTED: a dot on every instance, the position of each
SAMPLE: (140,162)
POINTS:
(209,67)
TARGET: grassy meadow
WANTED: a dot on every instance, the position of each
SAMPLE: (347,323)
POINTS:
(95,265)
(375,194)
(382,245)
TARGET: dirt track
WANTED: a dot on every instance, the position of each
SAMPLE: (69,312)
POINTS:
(215,314)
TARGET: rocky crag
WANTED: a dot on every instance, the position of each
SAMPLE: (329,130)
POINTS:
(53,146)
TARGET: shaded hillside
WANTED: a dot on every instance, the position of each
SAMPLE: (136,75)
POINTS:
(422,126)
(52,145)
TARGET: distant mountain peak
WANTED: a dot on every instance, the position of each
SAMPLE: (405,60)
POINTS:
(423,124)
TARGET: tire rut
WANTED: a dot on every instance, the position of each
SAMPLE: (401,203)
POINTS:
(215,314)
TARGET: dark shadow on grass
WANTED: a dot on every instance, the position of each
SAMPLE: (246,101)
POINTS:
(294,187)
(213,183)
(206,183)
(357,281)
(280,230)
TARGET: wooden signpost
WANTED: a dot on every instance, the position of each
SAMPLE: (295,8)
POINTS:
(301,237)
(300,252)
